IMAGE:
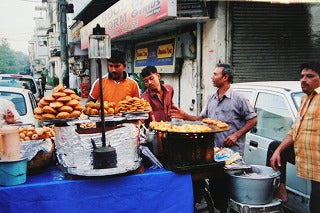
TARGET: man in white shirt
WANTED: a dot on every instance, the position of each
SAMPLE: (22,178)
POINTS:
(8,113)
(74,81)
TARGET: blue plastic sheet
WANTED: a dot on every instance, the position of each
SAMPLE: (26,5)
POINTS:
(153,191)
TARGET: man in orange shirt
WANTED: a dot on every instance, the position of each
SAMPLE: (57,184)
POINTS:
(116,84)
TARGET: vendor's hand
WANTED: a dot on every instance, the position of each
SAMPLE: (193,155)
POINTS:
(275,160)
(9,117)
(176,113)
(231,140)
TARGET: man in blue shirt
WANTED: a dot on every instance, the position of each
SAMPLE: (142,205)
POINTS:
(231,107)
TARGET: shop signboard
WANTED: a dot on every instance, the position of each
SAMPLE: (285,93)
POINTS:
(159,53)
(128,15)
(75,31)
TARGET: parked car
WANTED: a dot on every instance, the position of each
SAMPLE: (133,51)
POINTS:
(27,81)
(276,104)
(24,102)
(37,77)
(10,83)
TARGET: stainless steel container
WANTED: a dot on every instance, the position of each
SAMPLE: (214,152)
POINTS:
(255,187)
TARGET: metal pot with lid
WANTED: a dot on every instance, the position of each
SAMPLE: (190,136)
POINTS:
(255,186)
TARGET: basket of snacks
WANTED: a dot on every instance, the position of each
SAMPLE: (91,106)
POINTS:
(37,146)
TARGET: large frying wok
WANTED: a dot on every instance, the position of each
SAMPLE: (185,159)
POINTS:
(182,149)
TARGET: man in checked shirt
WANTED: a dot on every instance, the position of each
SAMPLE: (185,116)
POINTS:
(305,134)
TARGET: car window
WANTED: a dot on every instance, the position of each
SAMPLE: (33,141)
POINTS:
(246,93)
(18,100)
(297,96)
(274,120)
(27,83)
(32,100)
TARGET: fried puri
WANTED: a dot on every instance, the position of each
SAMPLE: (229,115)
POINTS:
(48,116)
(65,109)
(38,110)
(69,91)
(56,104)
(63,115)
(64,99)
(76,97)
(58,88)
(59,94)
(48,109)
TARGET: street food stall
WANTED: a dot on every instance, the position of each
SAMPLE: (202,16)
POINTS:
(74,184)
(58,171)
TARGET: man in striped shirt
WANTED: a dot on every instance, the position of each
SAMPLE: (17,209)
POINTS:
(305,134)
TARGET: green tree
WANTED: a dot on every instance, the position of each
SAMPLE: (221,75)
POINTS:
(10,60)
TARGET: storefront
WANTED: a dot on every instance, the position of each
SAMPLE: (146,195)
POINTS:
(78,60)
(159,33)
(270,41)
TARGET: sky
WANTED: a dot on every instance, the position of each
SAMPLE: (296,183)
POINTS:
(16,22)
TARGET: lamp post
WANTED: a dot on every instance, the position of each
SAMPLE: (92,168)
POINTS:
(100,48)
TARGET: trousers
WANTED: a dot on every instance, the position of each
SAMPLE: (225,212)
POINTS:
(286,156)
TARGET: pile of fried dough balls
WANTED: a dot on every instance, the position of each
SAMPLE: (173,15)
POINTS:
(134,104)
(28,133)
(93,108)
(62,104)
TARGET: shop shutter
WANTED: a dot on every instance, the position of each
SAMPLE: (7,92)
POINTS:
(270,41)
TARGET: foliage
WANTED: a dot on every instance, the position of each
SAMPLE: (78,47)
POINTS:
(10,60)
(140,82)
(45,72)
(53,81)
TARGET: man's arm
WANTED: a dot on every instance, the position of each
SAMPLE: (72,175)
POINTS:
(12,117)
(90,99)
(275,160)
(233,138)
(179,113)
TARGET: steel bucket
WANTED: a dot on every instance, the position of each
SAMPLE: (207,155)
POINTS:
(255,187)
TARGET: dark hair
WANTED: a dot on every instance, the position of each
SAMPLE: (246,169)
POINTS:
(148,71)
(313,65)
(117,56)
(227,70)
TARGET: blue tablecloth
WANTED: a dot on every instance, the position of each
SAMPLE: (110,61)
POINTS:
(153,191)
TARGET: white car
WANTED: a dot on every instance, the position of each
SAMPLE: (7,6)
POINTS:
(26,80)
(24,102)
(276,104)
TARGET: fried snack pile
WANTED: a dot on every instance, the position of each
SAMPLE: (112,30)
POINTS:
(93,108)
(188,128)
(28,133)
(134,104)
(88,125)
(62,104)
(218,123)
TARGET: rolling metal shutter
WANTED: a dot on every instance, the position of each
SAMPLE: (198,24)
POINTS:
(270,41)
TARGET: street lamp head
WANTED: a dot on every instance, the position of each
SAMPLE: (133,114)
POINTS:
(99,44)
(98,30)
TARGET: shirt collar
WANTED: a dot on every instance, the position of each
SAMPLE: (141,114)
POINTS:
(125,75)
(153,93)
(317,90)
(227,94)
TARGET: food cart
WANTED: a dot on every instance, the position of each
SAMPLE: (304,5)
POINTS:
(74,185)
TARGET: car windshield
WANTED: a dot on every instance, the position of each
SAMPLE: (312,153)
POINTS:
(27,83)
(10,83)
(296,96)
(17,99)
